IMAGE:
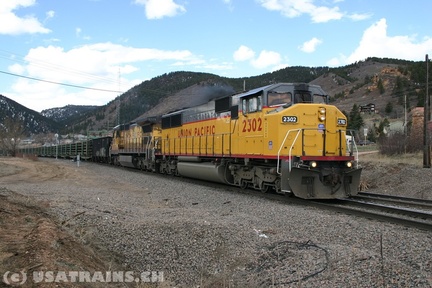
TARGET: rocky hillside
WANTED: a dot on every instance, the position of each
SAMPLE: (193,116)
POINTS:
(194,95)
(181,89)
(34,122)
(67,113)
(383,82)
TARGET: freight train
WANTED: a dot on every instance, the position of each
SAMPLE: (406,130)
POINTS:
(282,137)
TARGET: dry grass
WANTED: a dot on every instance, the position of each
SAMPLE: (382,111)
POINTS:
(411,159)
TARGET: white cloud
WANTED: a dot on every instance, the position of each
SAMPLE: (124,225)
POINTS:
(78,34)
(243,53)
(38,95)
(337,61)
(11,24)
(310,46)
(17,69)
(324,14)
(95,59)
(359,17)
(266,59)
(50,14)
(376,43)
(157,9)
(296,8)
(95,66)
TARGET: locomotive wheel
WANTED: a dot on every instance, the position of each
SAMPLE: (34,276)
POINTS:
(243,184)
(265,188)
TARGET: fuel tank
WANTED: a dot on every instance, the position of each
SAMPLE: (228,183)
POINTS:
(204,171)
(126,161)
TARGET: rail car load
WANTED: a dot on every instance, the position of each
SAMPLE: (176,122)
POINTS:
(284,137)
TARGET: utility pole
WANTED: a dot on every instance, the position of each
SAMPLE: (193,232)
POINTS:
(405,124)
(405,115)
(118,102)
(426,117)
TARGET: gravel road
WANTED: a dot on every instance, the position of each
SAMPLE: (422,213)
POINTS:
(204,235)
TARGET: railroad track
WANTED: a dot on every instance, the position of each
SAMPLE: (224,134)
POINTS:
(405,211)
(410,212)
(396,200)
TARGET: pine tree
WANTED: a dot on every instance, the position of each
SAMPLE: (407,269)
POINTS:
(355,120)
(380,86)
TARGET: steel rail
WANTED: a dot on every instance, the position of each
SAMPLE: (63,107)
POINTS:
(391,209)
(384,213)
(394,197)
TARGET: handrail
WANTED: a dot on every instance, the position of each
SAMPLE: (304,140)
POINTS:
(295,140)
(292,146)
(147,146)
(353,145)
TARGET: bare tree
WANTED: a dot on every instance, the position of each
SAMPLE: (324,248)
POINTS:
(11,132)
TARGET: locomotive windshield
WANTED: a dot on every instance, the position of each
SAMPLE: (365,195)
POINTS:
(307,97)
(279,98)
(319,99)
(302,97)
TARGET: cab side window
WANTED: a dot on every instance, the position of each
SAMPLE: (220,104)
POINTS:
(252,104)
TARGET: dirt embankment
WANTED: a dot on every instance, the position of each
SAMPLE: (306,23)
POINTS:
(31,239)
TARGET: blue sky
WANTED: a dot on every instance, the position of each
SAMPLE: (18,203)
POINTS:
(108,46)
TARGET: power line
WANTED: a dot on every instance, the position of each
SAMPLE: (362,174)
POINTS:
(54,67)
(59,83)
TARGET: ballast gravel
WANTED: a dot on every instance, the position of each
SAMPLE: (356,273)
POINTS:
(206,235)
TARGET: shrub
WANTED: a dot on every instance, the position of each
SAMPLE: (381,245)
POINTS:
(399,143)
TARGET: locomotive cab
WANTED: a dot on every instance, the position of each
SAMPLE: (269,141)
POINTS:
(294,142)
(319,166)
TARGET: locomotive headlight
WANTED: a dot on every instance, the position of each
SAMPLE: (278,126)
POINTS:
(322,114)
(313,164)
(349,164)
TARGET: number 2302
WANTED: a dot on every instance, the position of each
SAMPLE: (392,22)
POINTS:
(252,125)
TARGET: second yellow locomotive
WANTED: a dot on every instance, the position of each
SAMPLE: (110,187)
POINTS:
(284,137)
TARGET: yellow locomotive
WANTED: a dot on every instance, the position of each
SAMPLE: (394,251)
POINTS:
(135,144)
(284,137)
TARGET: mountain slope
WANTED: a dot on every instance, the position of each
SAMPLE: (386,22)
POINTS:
(167,89)
(384,82)
(33,121)
(67,113)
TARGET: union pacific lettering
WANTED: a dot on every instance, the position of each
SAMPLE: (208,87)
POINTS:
(184,133)
(197,131)
(205,130)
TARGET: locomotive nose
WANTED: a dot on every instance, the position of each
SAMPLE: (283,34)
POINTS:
(332,179)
